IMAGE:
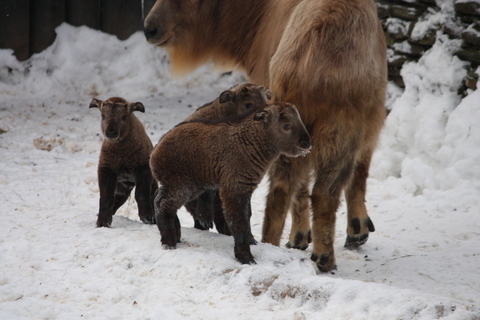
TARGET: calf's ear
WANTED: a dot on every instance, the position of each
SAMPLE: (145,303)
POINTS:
(95,103)
(262,115)
(136,106)
(226,96)
(267,93)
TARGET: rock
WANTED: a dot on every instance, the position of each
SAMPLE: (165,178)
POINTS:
(406,12)
(472,35)
(469,54)
(470,7)
(409,49)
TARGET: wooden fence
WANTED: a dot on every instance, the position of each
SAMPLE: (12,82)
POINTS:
(28,26)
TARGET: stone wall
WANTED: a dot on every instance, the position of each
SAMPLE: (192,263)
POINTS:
(412,26)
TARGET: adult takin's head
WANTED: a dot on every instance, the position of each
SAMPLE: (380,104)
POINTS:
(288,130)
(116,113)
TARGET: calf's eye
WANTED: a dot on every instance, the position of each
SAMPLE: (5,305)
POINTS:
(286,127)
(248,105)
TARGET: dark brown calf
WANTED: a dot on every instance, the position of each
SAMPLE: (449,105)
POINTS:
(123,163)
(230,156)
(234,102)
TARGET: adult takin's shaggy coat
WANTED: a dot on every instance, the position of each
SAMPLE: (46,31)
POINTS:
(124,158)
(231,157)
(328,57)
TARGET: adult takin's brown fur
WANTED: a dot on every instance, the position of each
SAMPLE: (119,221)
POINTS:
(234,102)
(230,156)
(328,57)
(124,158)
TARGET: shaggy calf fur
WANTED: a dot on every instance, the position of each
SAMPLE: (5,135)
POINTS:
(124,160)
(229,156)
(234,102)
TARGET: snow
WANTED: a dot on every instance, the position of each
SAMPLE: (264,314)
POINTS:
(423,262)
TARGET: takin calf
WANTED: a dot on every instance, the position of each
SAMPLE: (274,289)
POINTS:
(229,156)
(234,102)
(124,161)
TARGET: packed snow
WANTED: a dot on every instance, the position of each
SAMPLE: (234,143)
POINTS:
(423,262)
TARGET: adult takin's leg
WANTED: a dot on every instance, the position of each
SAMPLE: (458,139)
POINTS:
(325,203)
(107,181)
(331,178)
(236,210)
(286,175)
(359,224)
(143,181)
(166,204)
(300,234)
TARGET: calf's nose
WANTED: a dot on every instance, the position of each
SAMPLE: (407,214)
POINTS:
(111,134)
(306,144)
(150,32)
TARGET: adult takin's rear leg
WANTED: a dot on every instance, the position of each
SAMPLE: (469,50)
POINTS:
(300,233)
(166,204)
(332,177)
(359,223)
(288,177)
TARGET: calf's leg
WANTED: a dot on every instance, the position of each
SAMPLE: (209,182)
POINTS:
(166,203)
(143,181)
(107,181)
(236,210)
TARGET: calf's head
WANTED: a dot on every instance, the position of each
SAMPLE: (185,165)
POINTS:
(116,115)
(288,131)
(244,97)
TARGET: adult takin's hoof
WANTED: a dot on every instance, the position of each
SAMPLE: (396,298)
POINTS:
(168,247)
(354,242)
(325,263)
(148,220)
(301,240)
(360,232)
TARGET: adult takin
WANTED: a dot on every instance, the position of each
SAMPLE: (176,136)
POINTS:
(234,102)
(327,57)
(230,156)
(124,161)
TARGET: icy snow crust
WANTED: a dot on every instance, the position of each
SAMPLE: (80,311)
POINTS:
(423,262)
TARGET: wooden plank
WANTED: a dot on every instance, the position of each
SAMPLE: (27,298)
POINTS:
(121,17)
(14,27)
(45,16)
(83,13)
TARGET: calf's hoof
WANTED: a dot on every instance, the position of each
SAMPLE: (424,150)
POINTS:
(325,262)
(104,224)
(148,220)
(247,261)
(301,240)
(252,240)
(205,224)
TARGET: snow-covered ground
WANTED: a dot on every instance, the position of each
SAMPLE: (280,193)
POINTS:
(423,262)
